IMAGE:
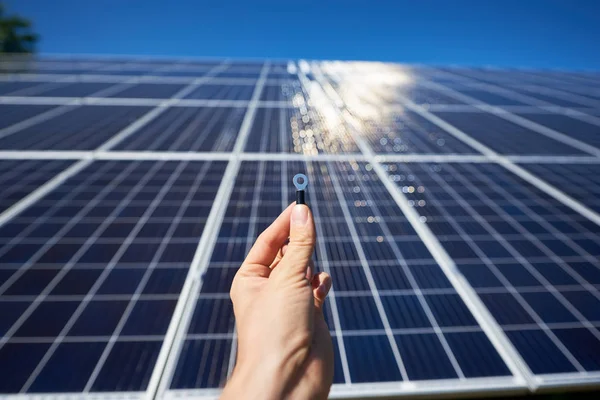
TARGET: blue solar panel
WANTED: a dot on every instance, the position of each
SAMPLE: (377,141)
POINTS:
(56,285)
(456,210)
(528,297)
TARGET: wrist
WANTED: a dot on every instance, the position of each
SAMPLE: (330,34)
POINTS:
(264,380)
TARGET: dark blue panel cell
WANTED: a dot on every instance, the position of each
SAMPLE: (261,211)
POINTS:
(121,281)
(475,354)
(430,276)
(539,352)
(149,317)
(404,312)
(79,89)
(202,364)
(11,114)
(119,230)
(100,253)
(450,310)
(358,313)
(178,252)
(32,282)
(338,372)
(493,249)
(480,276)
(458,249)
(424,357)
(586,303)
(389,277)
(165,281)
(10,312)
(349,278)
(342,251)
(518,275)
(527,248)
(99,318)
(587,271)
(584,346)
(370,359)
(413,250)
(548,307)
(217,280)
(21,359)
(506,309)
(139,253)
(69,368)
(19,253)
(76,282)
(48,319)
(128,367)
(378,251)
(222,92)
(560,248)
(555,274)
(150,91)
(212,316)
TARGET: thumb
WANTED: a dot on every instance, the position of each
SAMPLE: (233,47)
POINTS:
(301,245)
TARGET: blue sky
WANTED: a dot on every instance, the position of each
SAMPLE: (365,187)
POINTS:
(518,33)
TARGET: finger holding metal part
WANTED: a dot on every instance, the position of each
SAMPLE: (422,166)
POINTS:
(300,181)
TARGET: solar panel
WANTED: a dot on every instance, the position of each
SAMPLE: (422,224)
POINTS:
(456,210)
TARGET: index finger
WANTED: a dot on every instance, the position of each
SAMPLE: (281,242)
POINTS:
(269,242)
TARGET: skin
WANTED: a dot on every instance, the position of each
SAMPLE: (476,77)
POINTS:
(284,345)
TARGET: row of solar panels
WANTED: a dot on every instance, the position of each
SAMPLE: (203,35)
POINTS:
(116,241)
(448,277)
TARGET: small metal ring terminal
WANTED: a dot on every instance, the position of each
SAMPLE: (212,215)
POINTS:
(299,185)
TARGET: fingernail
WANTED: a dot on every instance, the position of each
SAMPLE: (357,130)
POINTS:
(299,215)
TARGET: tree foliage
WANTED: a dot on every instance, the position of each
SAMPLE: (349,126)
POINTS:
(15,34)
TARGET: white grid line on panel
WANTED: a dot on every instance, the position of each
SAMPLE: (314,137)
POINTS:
(76,396)
(499,340)
(171,350)
(251,156)
(93,100)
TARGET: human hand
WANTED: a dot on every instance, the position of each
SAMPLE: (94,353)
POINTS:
(284,345)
